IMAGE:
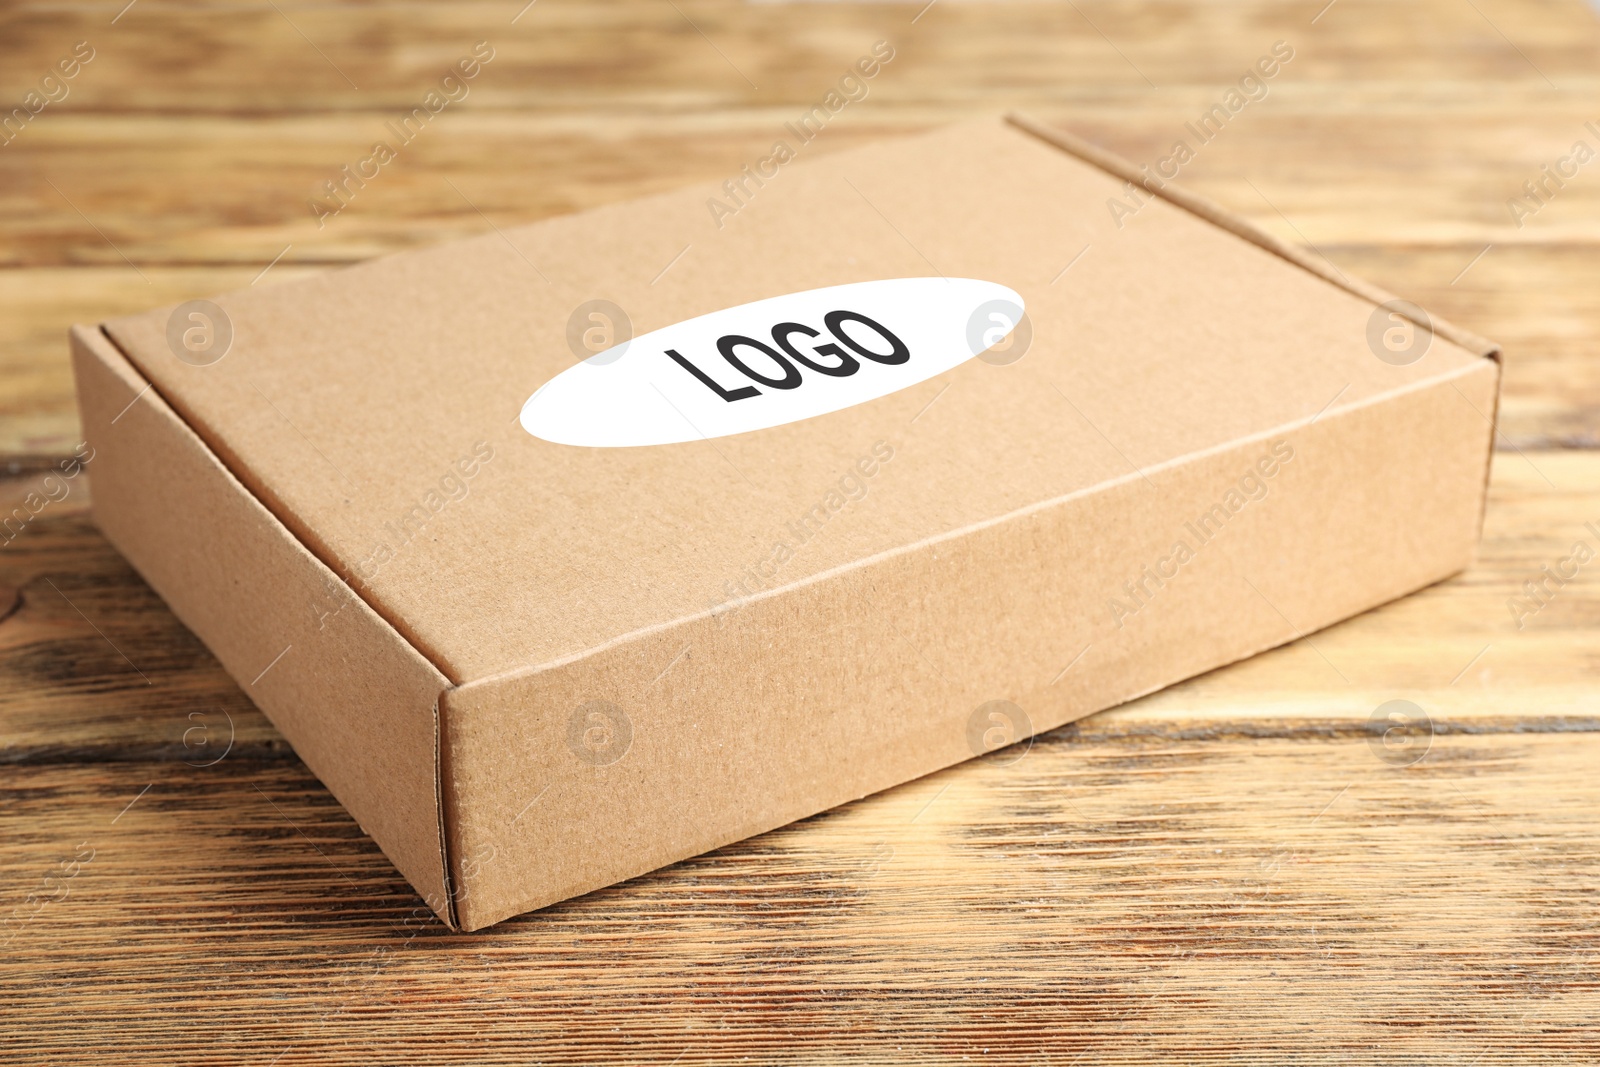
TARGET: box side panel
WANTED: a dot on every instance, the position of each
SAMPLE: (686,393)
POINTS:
(358,704)
(688,737)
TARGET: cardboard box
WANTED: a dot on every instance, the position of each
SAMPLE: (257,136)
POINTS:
(531,668)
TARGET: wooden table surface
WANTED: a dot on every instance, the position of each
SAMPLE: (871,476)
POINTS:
(1235,870)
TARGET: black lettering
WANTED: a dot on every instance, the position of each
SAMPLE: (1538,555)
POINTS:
(737,394)
(727,345)
(846,366)
(898,352)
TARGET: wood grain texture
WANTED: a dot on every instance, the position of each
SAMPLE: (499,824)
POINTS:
(1235,870)
(1220,901)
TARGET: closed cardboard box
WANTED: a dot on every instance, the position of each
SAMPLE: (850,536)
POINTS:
(824,511)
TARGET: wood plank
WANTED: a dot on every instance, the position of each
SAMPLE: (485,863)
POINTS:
(1377,169)
(93,666)
(1240,902)
(295,55)
(259,107)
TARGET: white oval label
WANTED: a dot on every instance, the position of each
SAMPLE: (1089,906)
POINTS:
(773,361)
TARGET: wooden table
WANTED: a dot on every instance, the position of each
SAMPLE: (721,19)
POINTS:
(1235,870)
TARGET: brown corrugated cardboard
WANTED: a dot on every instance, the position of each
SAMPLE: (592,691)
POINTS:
(356,701)
(596,660)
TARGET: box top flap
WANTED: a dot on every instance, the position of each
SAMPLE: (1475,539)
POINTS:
(375,410)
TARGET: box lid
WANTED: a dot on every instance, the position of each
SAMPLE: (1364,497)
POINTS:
(375,410)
